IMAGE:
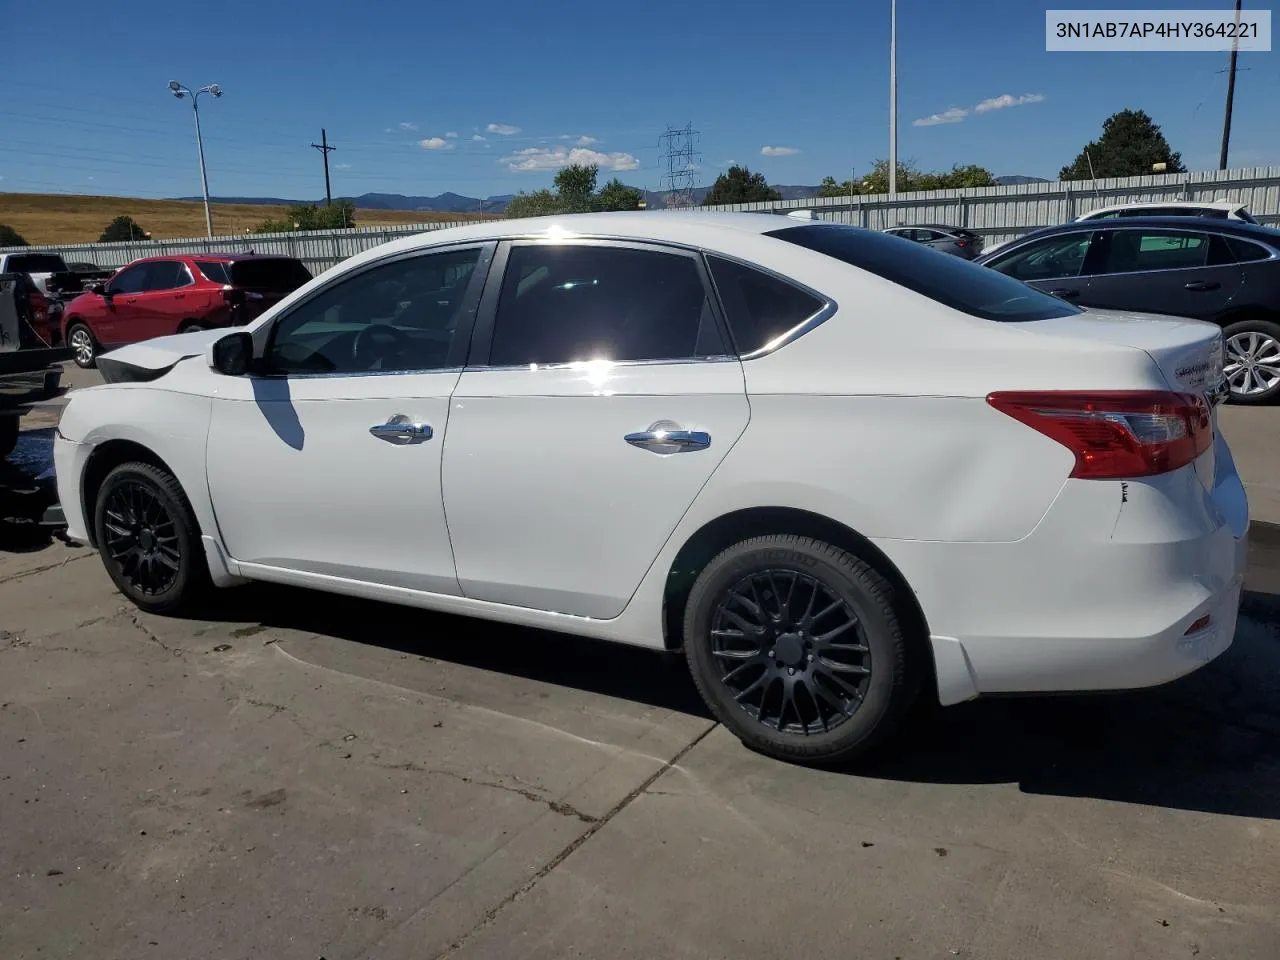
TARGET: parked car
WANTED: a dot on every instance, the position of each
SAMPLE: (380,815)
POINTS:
(30,370)
(40,267)
(1223,271)
(689,431)
(1214,209)
(962,243)
(157,296)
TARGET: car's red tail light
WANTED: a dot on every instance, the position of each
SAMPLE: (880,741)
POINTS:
(962,243)
(1116,434)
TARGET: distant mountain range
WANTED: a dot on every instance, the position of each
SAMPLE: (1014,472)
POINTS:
(457,203)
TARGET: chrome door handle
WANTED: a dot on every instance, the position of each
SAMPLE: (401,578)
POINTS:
(402,431)
(667,437)
(1201,285)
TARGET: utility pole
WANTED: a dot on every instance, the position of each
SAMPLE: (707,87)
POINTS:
(893,96)
(1231,95)
(325,148)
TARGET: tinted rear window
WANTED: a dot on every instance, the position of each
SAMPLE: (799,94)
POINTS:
(36,263)
(951,281)
(760,308)
(215,270)
(275,274)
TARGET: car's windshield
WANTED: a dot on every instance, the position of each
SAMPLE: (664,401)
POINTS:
(949,280)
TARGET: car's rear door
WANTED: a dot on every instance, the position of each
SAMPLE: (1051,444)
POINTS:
(600,397)
(1169,270)
(167,302)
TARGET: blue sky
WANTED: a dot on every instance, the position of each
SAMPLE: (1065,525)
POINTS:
(488,98)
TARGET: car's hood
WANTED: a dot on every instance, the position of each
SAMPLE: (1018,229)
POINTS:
(150,358)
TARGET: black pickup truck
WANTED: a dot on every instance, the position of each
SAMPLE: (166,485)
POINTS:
(30,370)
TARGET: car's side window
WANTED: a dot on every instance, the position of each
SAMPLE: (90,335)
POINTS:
(167,275)
(1131,251)
(1243,251)
(1047,259)
(400,316)
(213,270)
(759,307)
(130,279)
(562,303)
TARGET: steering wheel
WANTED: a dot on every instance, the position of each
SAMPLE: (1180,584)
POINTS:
(376,343)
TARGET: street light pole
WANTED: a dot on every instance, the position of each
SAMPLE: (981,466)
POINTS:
(1231,95)
(179,91)
(893,97)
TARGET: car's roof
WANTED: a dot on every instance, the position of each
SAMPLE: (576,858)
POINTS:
(1199,224)
(1199,204)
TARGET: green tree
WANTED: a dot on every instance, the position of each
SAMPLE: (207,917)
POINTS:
(829,188)
(1131,143)
(616,195)
(122,228)
(576,186)
(311,216)
(740,185)
(910,178)
(10,237)
(540,203)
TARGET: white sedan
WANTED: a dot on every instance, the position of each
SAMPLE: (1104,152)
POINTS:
(835,467)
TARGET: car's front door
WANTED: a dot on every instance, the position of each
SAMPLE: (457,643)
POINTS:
(326,459)
(120,310)
(1183,273)
(601,397)
(1052,264)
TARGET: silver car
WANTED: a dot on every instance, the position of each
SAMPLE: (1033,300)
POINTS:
(953,240)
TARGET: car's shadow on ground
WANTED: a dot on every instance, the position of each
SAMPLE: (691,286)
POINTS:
(25,493)
(1208,742)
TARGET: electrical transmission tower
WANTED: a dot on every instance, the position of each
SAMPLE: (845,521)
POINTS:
(679,164)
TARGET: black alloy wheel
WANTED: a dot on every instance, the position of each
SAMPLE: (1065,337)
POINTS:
(149,539)
(793,652)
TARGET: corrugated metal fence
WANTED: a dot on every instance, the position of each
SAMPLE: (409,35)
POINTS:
(997,213)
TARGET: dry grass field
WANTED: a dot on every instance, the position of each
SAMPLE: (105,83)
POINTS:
(62,218)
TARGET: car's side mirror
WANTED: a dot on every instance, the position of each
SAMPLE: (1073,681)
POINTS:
(232,355)
(99,288)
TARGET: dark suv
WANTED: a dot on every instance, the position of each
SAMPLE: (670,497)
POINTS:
(1223,271)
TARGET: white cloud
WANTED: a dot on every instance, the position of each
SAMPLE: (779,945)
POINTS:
(503,129)
(778,151)
(452,134)
(553,158)
(952,115)
(1006,100)
(387,130)
(582,141)
(342,166)
(406,125)
(435,143)
(476,136)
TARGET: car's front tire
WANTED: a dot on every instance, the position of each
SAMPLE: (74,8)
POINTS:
(80,339)
(797,647)
(149,539)
(1251,360)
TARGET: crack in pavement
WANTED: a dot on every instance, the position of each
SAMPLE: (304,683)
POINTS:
(48,566)
(556,806)
(492,913)
(150,634)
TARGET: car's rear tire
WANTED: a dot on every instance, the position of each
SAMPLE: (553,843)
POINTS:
(80,339)
(149,539)
(1251,360)
(797,647)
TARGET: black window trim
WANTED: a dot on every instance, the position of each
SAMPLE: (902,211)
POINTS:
(824,312)
(457,349)
(486,316)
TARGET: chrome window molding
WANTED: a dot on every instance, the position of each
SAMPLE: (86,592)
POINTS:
(572,364)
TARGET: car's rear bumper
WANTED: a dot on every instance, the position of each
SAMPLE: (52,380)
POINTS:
(1108,593)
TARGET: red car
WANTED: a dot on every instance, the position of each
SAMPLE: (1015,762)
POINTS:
(159,296)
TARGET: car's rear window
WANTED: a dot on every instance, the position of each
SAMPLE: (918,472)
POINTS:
(36,263)
(214,270)
(273,274)
(951,281)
